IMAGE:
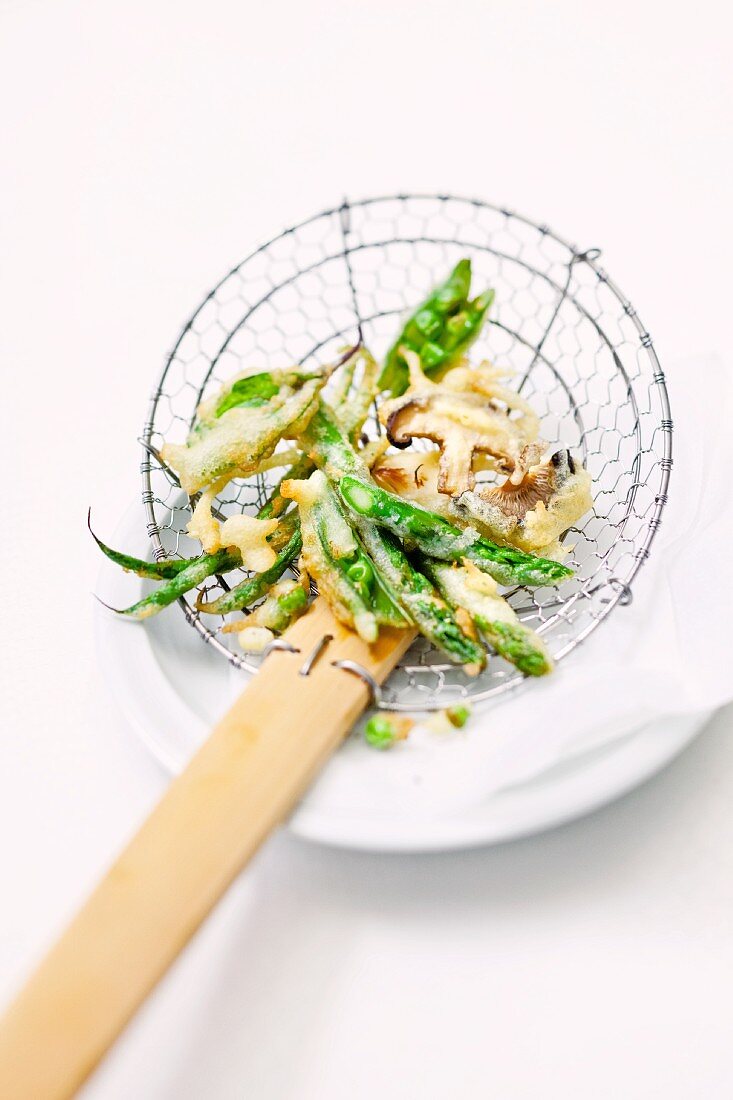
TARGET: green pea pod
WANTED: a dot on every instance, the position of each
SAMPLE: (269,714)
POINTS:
(375,591)
(464,327)
(386,607)
(439,331)
(333,556)
(361,575)
(447,296)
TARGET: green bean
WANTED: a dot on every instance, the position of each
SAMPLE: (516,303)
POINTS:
(357,409)
(275,505)
(280,608)
(154,570)
(194,574)
(328,446)
(344,378)
(187,574)
(285,540)
(231,440)
(255,587)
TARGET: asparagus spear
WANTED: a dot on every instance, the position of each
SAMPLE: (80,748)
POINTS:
(332,555)
(331,450)
(419,599)
(438,538)
(466,587)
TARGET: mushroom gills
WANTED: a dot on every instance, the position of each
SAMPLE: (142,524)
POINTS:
(536,504)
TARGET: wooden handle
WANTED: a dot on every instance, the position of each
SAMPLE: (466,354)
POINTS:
(238,787)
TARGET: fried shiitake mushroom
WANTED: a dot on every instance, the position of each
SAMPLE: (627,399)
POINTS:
(463,424)
(542,498)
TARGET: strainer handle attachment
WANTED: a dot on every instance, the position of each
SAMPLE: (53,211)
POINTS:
(235,791)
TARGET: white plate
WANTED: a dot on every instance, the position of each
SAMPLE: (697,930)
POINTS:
(172,688)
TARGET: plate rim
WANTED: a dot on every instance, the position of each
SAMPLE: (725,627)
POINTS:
(148,701)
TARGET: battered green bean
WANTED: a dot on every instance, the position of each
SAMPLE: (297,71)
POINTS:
(154,570)
(253,588)
(194,573)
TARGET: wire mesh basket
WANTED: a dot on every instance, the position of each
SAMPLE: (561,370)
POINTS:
(574,342)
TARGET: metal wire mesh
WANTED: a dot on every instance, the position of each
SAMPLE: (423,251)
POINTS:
(578,350)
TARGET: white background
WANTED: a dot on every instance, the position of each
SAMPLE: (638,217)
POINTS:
(148,147)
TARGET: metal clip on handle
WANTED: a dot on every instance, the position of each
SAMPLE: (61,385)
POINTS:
(375,691)
(278,643)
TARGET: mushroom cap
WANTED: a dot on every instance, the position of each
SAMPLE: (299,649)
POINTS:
(461,424)
(543,497)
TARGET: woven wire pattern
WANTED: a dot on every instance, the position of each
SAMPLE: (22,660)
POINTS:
(576,346)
